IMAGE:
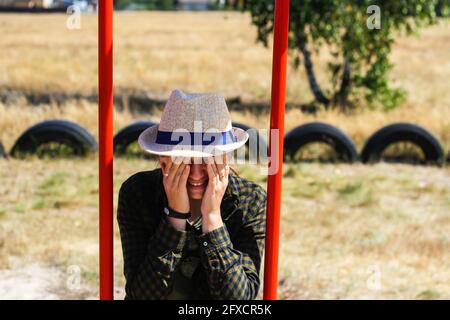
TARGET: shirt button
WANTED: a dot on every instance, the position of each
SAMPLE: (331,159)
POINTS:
(205,244)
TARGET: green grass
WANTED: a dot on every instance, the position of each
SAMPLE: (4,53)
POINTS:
(357,194)
(428,295)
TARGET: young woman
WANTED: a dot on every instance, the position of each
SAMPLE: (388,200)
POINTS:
(193,228)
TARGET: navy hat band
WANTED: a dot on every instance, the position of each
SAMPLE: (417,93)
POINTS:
(195,138)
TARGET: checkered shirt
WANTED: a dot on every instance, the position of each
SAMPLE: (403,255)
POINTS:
(230,256)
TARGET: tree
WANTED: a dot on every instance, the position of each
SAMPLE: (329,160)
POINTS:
(359,47)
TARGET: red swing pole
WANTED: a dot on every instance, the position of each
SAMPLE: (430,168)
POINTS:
(274,181)
(105,164)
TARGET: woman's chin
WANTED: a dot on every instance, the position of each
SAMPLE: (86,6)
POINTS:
(196,194)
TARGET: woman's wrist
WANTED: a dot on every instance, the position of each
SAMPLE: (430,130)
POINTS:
(178,208)
(178,224)
(211,222)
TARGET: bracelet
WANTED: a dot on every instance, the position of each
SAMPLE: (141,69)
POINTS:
(175,214)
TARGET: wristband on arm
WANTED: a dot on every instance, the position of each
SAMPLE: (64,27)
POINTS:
(175,214)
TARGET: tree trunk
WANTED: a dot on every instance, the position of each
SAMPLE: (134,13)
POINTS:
(315,88)
(341,97)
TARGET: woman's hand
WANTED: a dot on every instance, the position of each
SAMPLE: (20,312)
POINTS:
(212,198)
(175,175)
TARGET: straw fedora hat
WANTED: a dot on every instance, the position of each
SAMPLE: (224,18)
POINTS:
(193,125)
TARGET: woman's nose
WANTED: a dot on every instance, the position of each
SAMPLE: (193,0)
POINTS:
(197,172)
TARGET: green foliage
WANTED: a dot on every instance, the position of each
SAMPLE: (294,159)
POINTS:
(342,26)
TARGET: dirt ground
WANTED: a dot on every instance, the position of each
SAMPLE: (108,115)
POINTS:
(31,280)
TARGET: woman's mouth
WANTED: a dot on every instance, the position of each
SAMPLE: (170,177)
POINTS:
(197,185)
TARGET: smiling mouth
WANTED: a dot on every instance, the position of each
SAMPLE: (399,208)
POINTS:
(198,184)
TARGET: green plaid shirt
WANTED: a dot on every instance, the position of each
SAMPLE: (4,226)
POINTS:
(229,257)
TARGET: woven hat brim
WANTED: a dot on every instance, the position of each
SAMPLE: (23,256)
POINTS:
(148,137)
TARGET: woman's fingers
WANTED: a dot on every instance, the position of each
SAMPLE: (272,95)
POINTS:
(209,170)
(220,167)
(180,171)
(227,166)
(171,174)
(184,176)
(174,168)
(178,198)
(227,170)
(166,165)
(211,174)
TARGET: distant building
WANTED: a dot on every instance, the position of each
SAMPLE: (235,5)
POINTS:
(195,5)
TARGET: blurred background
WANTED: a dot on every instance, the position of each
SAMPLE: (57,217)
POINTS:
(366,187)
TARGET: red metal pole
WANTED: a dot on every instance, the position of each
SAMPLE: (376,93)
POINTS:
(105,164)
(280,51)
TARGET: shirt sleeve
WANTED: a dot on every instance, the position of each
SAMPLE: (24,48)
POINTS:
(150,258)
(233,267)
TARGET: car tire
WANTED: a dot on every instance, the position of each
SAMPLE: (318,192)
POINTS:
(320,132)
(393,133)
(2,151)
(126,136)
(254,139)
(61,131)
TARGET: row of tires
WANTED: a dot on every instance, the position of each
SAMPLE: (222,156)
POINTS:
(42,138)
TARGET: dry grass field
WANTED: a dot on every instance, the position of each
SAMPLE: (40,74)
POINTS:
(213,51)
(348,231)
